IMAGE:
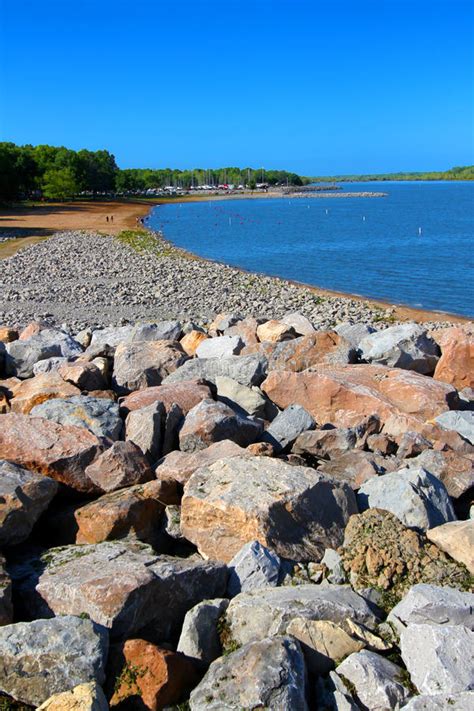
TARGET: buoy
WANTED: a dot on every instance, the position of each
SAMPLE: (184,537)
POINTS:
(327,212)
(363,219)
(419,230)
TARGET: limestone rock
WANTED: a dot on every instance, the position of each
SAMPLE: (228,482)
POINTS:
(430,702)
(333,694)
(377,681)
(190,342)
(49,364)
(210,422)
(405,346)
(354,332)
(333,562)
(179,466)
(268,674)
(293,510)
(110,336)
(143,427)
(142,364)
(84,375)
(186,395)
(460,421)
(199,639)
(84,697)
(123,464)
(219,347)
(24,495)
(23,354)
(457,540)
(326,443)
(246,329)
(286,427)
(299,323)
(433,605)
(355,467)
(45,657)
(161,331)
(456,471)
(247,370)
(39,389)
(456,365)
(253,567)
(323,643)
(99,415)
(240,397)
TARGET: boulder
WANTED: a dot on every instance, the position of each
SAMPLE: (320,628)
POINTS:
(332,693)
(333,562)
(84,697)
(253,567)
(142,364)
(246,329)
(456,471)
(98,415)
(161,331)
(179,466)
(186,395)
(433,605)
(123,464)
(199,639)
(24,495)
(82,374)
(45,657)
(456,365)
(354,332)
(219,347)
(430,702)
(445,664)
(39,389)
(6,604)
(406,346)
(248,400)
(275,331)
(269,675)
(247,370)
(293,510)
(301,325)
(355,467)
(415,496)
(143,427)
(210,422)
(323,643)
(48,343)
(460,421)
(111,336)
(32,329)
(287,426)
(457,540)
(49,364)
(62,452)
(326,443)
(305,352)
(378,682)
(7,335)
(190,342)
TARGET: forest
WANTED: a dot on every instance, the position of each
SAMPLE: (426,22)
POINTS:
(458,173)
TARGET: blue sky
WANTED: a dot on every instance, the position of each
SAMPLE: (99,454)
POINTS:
(314,86)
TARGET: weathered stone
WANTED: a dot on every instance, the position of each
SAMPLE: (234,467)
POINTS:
(82,374)
(411,444)
(248,370)
(32,329)
(456,471)
(305,352)
(260,449)
(333,562)
(224,321)
(269,674)
(24,495)
(301,325)
(111,336)
(60,452)
(98,415)
(39,389)
(246,329)
(191,341)
(456,365)
(378,682)
(326,443)
(460,421)
(355,467)
(84,337)
(7,335)
(143,427)
(433,605)
(240,397)
(323,643)
(210,422)
(293,510)
(219,347)
(23,354)
(430,702)
(142,364)
(333,694)
(287,426)
(49,364)
(199,639)
(457,540)
(405,346)
(439,657)
(6,604)
(44,657)
(179,466)
(415,496)
(123,464)
(186,395)
(84,697)
(354,332)
(253,567)
(161,331)
(275,331)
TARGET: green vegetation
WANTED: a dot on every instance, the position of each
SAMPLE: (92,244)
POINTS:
(458,173)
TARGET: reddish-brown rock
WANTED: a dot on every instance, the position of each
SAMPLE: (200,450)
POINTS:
(246,329)
(211,422)
(142,364)
(84,375)
(7,335)
(191,340)
(123,464)
(32,329)
(34,391)
(304,352)
(456,365)
(186,395)
(179,466)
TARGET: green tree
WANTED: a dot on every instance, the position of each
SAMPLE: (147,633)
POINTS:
(59,184)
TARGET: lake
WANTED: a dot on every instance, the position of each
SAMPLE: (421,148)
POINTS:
(366,246)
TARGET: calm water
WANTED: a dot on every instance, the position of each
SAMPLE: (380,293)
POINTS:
(367,246)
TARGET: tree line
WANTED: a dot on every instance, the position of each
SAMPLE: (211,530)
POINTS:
(464,172)
(60,173)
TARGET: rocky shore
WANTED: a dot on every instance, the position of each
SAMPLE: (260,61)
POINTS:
(268,510)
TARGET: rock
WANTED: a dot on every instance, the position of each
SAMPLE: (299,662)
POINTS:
(142,364)
(45,657)
(190,342)
(456,365)
(411,444)
(247,370)
(323,643)
(378,682)
(111,336)
(429,702)
(98,415)
(274,331)
(287,426)
(246,329)
(23,354)
(60,452)
(122,585)
(85,697)
(6,605)
(405,346)
(179,466)
(354,332)
(123,464)
(224,321)
(49,364)
(248,400)
(199,639)
(186,395)
(267,612)
(433,605)
(378,551)
(355,467)
(325,443)
(460,421)
(415,496)
(219,347)
(83,337)
(7,335)
(299,323)
(24,495)
(456,471)
(84,375)
(333,562)
(143,427)
(342,395)
(293,510)
(269,675)
(32,329)
(260,449)
(39,389)
(210,422)
(457,540)
(253,567)
(445,666)
(155,676)
(333,694)
(162,331)
(307,351)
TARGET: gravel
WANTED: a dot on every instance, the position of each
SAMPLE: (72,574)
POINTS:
(78,279)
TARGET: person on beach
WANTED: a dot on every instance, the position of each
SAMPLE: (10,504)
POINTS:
(107,218)
(111,218)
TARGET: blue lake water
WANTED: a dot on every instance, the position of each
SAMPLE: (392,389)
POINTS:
(366,246)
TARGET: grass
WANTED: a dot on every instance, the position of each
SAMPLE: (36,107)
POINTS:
(144,241)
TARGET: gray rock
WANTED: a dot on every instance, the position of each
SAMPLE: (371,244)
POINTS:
(44,657)
(461,421)
(249,400)
(433,605)
(269,675)
(325,443)
(220,347)
(49,364)
(248,370)
(439,657)
(98,415)
(253,567)
(24,495)
(286,427)
(333,561)
(415,496)
(269,611)
(333,695)
(377,680)
(464,701)
(6,604)
(199,637)
(301,325)
(210,421)
(162,331)
(111,336)
(354,332)
(144,428)
(142,364)
(49,343)
(172,522)
(224,321)
(405,346)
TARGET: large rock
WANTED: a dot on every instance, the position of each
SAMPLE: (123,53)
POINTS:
(143,427)
(220,347)
(269,675)
(253,567)
(98,415)
(186,395)
(332,693)
(61,452)
(24,495)
(49,364)
(455,470)
(210,422)
(49,343)
(431,702)
(161,331)
(305,352)
(44,657)
(275,331)
(354,332)
(415,496)
(123,464)
(121,585)
(323,643)
(179,466)
(456,365)
(299,323)
(247,370)
(110,336)
(433,605)
(141,364)
(405,346)
(293,510)
(286,427)
(84,697)
(240,397)
(343,395)
(7,335)
(457,540)
(199,639)
(39,389)
(355,467)
(190,342)
(82,374)
(377,681)
(460,421)
(439,657)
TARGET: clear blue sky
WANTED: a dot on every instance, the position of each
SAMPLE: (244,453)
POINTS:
(314,86)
